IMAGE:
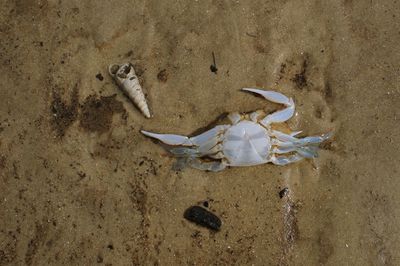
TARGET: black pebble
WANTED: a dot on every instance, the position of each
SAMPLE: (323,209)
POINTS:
(202,217)
(213,69)
(283,192)
(205,204)
(100,77)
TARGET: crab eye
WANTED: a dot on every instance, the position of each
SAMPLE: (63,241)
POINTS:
(114,69)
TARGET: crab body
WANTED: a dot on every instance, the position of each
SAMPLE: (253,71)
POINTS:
(246,143)
(249,140)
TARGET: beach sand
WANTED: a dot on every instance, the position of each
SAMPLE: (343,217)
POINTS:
(79,184)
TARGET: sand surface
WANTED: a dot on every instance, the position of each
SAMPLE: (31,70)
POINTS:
(79,185)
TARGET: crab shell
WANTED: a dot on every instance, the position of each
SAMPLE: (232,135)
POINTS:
(246,143)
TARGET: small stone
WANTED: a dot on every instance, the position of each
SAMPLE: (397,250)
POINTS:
(100,77)
(214,69)
(202,217)
(283,192)
(162,75)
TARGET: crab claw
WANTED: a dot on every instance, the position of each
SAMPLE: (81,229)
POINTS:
(272,96)
(276,97)
(169,139)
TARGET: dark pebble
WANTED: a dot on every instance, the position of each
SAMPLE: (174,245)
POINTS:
(205,204)
(162,75)
(283,192)
(100,77)
(202,217)
(213,69)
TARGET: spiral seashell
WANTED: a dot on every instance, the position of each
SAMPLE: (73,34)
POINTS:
(124,75)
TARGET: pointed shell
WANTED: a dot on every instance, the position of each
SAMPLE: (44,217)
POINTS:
(124,75)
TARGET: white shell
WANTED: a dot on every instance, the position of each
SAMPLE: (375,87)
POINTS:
(246,143)
(124,75)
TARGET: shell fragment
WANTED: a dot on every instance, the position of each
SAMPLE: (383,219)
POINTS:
(125,77)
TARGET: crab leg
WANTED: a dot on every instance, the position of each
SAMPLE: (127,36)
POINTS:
(254,116)
(201,139)
(283,160)
(308,151)
(284,137)
(281,150)
(305,147)
(206,147)
(276,97)
(200,145)
(314,139)
(234,117)
(185,152)
(214,166)
(303,141)
(293,134)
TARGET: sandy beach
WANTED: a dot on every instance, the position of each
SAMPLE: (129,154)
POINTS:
(79,184)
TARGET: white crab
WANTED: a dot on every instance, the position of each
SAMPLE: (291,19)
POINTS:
(250,140)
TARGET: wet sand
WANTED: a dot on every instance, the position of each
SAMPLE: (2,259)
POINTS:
(79,185)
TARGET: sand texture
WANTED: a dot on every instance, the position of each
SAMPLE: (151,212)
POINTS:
(79,185)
